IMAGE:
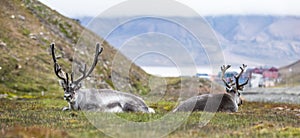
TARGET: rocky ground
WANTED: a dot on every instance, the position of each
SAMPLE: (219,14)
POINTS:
(274,95)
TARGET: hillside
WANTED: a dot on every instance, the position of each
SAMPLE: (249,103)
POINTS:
(290,74)
(27,28)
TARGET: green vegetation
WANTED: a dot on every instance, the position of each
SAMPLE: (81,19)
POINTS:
(26,67)
(31,98)
(142,90)
(66,29)
(25,32)
(40,117)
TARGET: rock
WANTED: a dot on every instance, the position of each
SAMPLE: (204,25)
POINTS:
(105,66)
(33,36)
(21,17)
(3,96)
(18,66)
(2,44)
(296,110)
(279,108)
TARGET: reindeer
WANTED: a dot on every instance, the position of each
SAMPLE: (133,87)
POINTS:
(104,100)
(228,102)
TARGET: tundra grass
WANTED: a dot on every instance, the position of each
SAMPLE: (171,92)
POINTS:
(42,117)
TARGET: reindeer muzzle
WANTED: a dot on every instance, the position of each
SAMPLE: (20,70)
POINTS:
(67,97)
(240,103)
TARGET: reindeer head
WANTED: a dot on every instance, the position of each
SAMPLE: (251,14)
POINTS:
(71,86)
(233,87)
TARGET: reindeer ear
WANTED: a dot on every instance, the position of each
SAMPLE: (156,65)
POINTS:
(230,90)
(62,84)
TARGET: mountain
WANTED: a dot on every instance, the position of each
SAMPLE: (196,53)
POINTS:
(266,40)
(26,30)
(255,40)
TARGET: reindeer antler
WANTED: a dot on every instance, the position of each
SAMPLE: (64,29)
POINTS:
(83,70)
(57,68)
(240,86)
(85,73)
(235,83)
(223,69)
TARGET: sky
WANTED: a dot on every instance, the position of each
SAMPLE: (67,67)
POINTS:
(79,8)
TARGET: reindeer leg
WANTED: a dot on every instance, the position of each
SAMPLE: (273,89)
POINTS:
(66,108)
(129,108)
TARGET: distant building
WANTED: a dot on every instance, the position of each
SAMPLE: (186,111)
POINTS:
(256,80)
(271,73)
(203,75)
(263,77)
(256,70)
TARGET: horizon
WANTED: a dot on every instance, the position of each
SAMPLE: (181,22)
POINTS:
(171,71)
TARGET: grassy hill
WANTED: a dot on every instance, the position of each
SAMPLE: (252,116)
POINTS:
(27,28)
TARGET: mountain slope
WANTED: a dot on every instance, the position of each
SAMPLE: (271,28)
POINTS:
(27,28)
(290,74)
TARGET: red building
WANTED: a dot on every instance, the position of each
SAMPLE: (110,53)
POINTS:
(271,73)
(269,76)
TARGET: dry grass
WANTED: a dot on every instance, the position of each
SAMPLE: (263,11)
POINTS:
(43,118)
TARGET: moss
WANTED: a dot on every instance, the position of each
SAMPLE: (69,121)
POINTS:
(7,65)
(110,83)
(289,132)
(46,113)
(55,21)
(63,30)
(140,88)
(68,25)
(25,31)
(66,28)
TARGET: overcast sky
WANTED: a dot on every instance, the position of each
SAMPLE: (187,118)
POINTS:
(76,8)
